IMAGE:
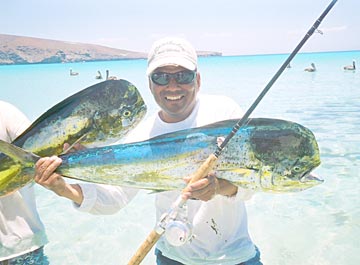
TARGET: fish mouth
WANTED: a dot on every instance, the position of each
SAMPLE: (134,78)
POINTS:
(126,122)
(310,177)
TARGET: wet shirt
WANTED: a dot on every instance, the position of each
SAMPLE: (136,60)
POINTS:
(21,229)
(219,225)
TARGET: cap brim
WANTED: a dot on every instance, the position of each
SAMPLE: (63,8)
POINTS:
(176,61)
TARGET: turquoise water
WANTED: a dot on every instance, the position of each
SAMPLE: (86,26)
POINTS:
(318,226)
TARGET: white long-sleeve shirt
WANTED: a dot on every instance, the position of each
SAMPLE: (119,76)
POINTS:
(219,225)
(21,229)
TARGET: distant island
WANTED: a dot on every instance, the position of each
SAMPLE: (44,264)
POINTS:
(29,50)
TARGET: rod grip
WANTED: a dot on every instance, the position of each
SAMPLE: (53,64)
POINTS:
(145,247)
(204,169)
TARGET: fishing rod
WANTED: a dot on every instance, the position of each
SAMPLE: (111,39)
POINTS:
(206,167)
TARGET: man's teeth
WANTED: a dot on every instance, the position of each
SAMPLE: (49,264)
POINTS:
(173,97)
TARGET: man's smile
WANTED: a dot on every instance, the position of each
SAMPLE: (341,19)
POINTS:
(174,98)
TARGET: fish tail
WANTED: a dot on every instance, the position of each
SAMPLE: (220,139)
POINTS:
(14,168)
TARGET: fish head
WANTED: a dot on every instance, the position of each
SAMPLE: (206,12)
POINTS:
(98,115)
(118,111)
(292,178)
(288,154)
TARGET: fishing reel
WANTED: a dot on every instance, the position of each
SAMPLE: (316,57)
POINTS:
(177,228)
(177,232)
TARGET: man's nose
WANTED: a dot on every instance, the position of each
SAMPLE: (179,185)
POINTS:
(172,83)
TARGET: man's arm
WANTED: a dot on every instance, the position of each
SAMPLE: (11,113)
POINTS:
(46,176)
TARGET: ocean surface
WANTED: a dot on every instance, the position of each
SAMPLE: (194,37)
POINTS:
(318,226)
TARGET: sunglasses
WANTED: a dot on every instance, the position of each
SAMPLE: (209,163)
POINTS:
(182,77)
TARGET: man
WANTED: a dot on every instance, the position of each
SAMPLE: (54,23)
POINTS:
(216,209)
(22,234)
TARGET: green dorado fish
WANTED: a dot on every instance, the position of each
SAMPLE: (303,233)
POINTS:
(265,155)
(96,116)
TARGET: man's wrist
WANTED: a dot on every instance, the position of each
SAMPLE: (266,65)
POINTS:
(226,188)
(73,192)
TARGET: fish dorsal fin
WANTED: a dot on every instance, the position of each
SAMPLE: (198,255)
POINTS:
(17,153)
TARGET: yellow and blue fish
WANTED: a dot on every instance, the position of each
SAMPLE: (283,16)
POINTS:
(267,155)
(96,116)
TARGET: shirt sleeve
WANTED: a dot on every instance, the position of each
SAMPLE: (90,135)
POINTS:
(104,199)
(107,199)
(241,195)
(13,120)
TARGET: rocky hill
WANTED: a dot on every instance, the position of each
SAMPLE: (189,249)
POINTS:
(28,50)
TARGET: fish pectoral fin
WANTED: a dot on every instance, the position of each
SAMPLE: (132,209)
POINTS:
(155,191)
(241,171)
(17,153)
(246,178)
(71,146)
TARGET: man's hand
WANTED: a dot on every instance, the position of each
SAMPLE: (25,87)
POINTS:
(46,176)
(205,189)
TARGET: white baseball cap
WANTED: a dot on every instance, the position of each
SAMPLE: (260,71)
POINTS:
(171,51)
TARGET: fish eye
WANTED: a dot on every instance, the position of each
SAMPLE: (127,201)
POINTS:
(297,168)
(126,113)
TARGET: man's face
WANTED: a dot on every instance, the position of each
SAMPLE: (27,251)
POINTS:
(175,100)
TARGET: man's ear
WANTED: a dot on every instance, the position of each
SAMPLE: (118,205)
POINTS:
(198,80)
(150,84)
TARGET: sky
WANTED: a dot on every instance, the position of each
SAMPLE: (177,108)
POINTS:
(233,27)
